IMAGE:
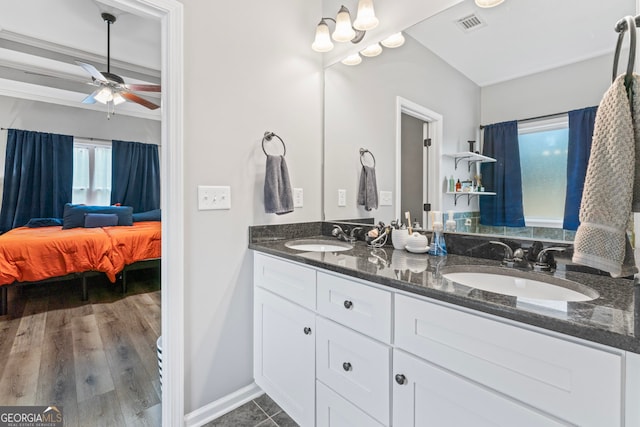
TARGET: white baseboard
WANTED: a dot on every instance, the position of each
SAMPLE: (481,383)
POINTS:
(221,406)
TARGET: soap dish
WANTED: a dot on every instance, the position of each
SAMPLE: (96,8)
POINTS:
(417,250)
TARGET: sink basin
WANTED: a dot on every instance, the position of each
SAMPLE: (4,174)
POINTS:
(520,284)
(318,245)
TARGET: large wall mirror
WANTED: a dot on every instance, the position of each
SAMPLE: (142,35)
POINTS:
(520,60)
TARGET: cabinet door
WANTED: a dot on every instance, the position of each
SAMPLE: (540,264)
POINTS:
(425,395)
(284,354)
(335,411)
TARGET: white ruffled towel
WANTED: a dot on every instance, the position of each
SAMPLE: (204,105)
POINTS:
(612,184)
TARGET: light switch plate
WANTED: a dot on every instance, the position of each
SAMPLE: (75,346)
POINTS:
(298,198)
(386,198)
(214,197)
(342,197)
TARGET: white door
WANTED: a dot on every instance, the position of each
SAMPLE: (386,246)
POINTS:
(284,354)
(425,395)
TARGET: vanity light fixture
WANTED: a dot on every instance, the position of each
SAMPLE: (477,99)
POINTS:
(488,3)
(344,31)
(354,59)
(394,40)
(372,50)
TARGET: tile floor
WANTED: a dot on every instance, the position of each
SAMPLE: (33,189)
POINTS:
(260,412)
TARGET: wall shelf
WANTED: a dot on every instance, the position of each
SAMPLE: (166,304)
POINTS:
(470,158)
(469,194)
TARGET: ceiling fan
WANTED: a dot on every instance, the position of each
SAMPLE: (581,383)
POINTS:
(111,87)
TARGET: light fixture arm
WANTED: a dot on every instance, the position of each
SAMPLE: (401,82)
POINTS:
(359,33)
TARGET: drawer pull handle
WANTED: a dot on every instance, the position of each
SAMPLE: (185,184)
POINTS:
(348,305)
(347,366)
(401,379)
(307,330)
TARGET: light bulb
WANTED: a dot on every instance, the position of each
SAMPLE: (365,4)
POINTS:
(343,32)
(372,50)
(366,19)
(488,3)
(394,40)
(354,59)
(104,95)
(322,42)
(118,98)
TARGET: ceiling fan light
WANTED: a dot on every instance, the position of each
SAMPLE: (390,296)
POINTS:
(372,50)
(105,95)
(488,3)
(118,98)
(394,40)
(343,32)
(322,42)
(366,19)
(354,59)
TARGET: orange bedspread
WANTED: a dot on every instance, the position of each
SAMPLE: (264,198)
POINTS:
(33,254)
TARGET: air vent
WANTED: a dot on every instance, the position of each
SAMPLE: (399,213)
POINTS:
(470,23)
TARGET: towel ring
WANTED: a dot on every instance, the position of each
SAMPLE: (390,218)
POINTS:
(267,137)
(628,23)
(364,151)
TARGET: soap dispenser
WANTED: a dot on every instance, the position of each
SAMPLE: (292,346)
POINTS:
(450,225)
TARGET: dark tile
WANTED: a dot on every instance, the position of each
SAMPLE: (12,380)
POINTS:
(247,415)
(267,423)
(282,419)
(268,405)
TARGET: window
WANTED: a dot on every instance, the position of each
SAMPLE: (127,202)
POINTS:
(543,161)
(91,173)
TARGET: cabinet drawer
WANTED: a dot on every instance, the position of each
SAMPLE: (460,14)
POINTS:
(573,382)
(358,306)
(291,281)
(334,411)
(355,366)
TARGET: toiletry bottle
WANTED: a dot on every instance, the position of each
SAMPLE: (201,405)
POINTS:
(452,185)
(458,185)
(450,225)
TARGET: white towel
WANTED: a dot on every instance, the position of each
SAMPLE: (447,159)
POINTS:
(278,197)
(605,212)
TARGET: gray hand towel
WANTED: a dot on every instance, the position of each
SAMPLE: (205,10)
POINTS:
(601,240)
(278,197)
(368,189)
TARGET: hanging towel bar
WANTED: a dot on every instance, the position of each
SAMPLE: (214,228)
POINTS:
(364,151)
(268,136)
(626,24)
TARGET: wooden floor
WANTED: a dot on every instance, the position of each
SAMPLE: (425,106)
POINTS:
(97,359)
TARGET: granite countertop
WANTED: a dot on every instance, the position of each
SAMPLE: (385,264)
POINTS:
(610,319)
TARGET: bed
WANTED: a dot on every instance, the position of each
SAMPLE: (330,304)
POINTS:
(32,255)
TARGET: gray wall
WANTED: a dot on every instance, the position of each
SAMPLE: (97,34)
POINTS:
(360,111)
(412,167)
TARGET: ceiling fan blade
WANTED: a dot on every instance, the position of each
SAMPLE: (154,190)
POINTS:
(92,71)
(91,98)
(143,88)
(135,98)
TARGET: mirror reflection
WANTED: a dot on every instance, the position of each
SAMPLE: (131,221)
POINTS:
(523,60)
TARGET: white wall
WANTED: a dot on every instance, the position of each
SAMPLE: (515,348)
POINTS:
(360,111)
(249,68)
(44,117)
(562,89)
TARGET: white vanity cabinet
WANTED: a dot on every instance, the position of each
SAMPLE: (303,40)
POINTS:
(335,351)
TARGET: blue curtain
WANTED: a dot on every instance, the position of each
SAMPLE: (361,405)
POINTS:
(502,177)
(135,175)
(580,134)
(38,177)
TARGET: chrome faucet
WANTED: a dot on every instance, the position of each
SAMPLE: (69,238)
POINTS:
(508,252)
(512,258)
(352,233)
(339,234)
(542,263)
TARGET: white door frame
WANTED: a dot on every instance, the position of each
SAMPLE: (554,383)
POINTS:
(170,15)
(434,119)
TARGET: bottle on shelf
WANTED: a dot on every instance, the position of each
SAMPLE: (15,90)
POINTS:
(452,184)
(458,186)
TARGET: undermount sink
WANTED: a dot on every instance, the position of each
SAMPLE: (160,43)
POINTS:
(318,245)
(519,283)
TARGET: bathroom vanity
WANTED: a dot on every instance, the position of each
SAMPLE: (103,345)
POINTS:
(377,337)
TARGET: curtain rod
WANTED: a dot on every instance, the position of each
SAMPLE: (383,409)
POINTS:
(545,116)
(89,138)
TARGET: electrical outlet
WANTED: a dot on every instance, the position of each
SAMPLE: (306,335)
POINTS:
(386,198)
(213,197)
(298,198)
(342,197)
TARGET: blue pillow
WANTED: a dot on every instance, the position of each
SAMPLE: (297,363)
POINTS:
(93,220)
(73,215)
(44,222)
(153,215)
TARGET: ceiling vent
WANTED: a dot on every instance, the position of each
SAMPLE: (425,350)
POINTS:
(470,23)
